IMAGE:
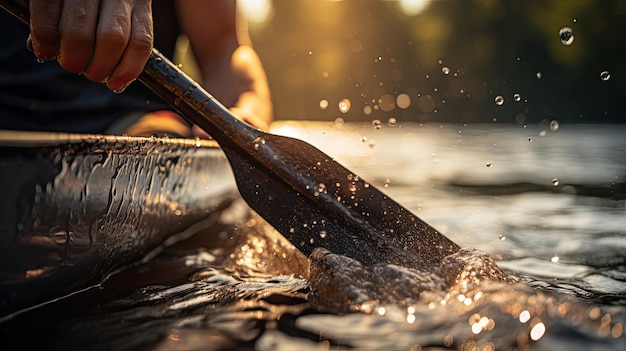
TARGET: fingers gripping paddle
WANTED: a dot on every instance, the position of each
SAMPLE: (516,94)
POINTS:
(302,192)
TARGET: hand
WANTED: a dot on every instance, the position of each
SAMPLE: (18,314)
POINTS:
(107,40)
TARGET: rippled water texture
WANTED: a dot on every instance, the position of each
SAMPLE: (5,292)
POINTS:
(546,206)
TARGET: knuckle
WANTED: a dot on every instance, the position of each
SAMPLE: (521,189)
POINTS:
(141,42)
(78,37)
(115,38)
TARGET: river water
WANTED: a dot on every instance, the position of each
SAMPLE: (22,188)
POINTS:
(547,202)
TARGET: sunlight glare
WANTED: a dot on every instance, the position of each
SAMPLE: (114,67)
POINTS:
(412,7)
(256,11)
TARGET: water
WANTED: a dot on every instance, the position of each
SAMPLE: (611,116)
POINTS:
(566,34)
(239,285)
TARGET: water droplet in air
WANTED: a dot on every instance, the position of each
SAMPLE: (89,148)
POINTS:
(537,331)
(567,35)
(555,258)
(321,188)
(489,165)
(198,143)
(323,104)
(445,70)
(323,234)
(40,60)
(517,97)
(499,100)
(538,75)
(554,125)
(363,139)
(605,75)
(386,183)
(502,237)
(392,121)
(376,123)
(555,181)
(344,105)
(403,101)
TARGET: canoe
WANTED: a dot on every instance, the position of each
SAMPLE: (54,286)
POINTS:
(76,207)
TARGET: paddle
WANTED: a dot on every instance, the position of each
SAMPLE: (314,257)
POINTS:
(307,196)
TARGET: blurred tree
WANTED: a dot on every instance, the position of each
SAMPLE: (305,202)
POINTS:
(450,61)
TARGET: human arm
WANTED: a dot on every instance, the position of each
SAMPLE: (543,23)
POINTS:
(230,68)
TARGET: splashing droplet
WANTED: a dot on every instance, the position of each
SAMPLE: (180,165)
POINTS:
(258,142)
(386,183)
(605,75)
(555,258)
(499,100)
(555,181)
(502,237)
(489,165)
(554,125)
(323,104)
(323,234)
(403,101)
(445,70)
(517,97)
(198,143)
(524,316)
(344,105)
(392,121)
(376,123)
(537,331)
(567,35)
(321,188)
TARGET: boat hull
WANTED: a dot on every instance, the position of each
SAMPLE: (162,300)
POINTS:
(76,207)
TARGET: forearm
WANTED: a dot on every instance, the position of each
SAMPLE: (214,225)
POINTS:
(238,81)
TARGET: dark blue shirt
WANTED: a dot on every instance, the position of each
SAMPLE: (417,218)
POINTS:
(43,96)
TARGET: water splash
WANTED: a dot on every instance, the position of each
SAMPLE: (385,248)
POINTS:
(566,34)
(344,105)
(323,104)
(605,75)
(554,125)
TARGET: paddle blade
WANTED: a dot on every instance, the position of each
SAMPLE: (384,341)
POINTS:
(316,202)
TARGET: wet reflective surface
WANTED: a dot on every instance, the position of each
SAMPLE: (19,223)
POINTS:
(238,285)
(76,207)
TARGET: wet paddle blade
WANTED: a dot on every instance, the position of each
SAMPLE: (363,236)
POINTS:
(316,202)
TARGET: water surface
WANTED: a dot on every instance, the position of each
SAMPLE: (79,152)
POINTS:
(548,205)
